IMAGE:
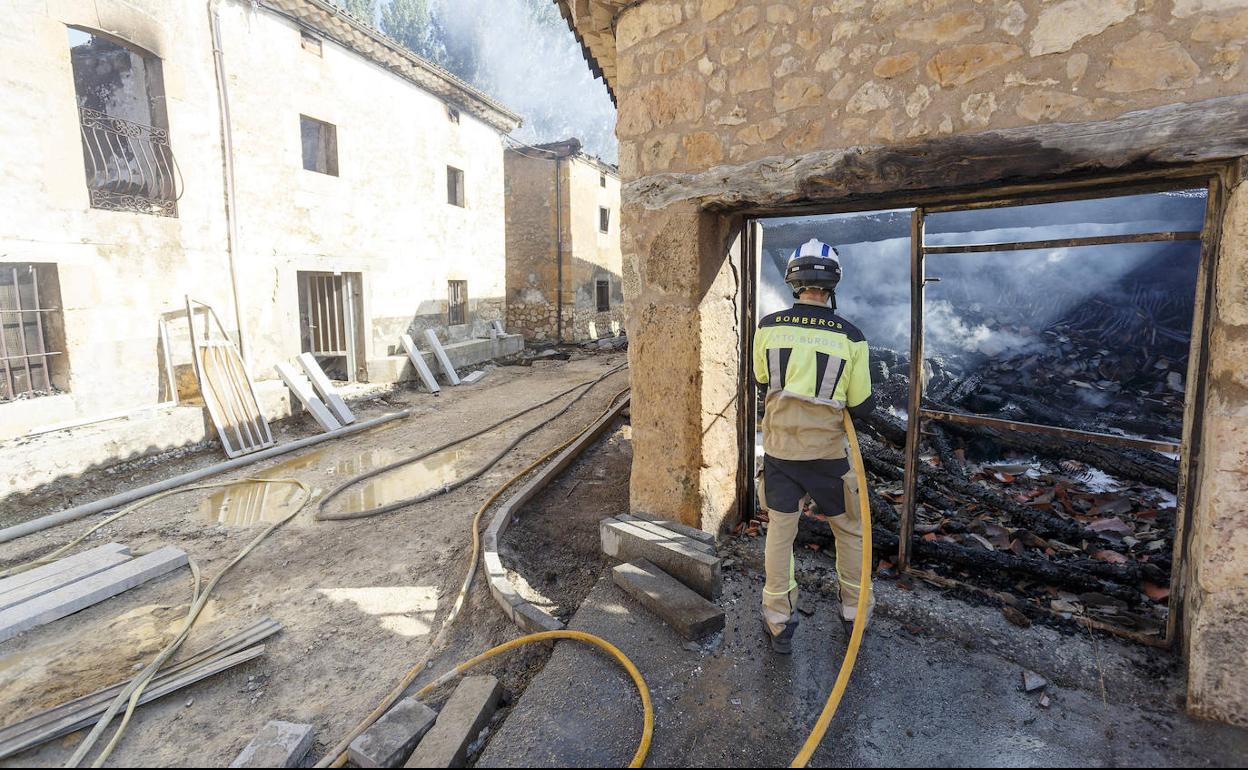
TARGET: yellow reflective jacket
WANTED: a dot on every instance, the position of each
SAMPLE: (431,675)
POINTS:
(815,364)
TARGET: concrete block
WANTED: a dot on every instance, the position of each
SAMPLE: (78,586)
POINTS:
(39,573)
(533,619)
(88,591)
(667,550)
(303,390)
(278,744)
(475,377)
(326,389)
(418,361)
(675,526)
(465,714)
(663,529)
(389,742)
(435,344)
(685,611)
(83,568)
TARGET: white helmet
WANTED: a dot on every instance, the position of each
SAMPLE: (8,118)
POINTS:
(813,264)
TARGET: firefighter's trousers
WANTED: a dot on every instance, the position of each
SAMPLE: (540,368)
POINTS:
(833,487)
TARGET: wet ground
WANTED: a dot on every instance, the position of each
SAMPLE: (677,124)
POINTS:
(924,694)
(358,599)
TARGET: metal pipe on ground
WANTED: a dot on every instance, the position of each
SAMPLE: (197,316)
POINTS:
(99,506)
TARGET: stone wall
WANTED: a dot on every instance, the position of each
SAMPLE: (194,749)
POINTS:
(1216,592)
(728,106)
(589,255)
(732,81)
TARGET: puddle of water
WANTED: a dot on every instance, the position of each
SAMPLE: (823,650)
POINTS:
(401,483)
(248,503)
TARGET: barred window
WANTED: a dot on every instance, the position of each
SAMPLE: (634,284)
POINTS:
(457,307)
(604,219)
(31,331)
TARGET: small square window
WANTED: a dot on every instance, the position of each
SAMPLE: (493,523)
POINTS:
(320,145)
(452,114)
(457,306)
(454,186)
(311,43)
(604,219)
(603,292)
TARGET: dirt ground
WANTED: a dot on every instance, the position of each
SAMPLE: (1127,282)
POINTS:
(566,515)
(359,600)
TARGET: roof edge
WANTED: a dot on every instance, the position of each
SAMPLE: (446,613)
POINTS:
(324,17)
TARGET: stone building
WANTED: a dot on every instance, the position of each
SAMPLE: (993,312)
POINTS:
(563,259)
(735,109)
(320,187)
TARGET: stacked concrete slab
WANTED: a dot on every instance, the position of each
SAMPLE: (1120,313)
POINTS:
(58,600)
(670,569)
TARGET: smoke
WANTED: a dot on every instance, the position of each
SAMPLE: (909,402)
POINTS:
(527,58)
(997,303)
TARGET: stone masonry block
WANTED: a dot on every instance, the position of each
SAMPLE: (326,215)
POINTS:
(465,714)
(670,552)
(278,744)
(389,742)
(689,614)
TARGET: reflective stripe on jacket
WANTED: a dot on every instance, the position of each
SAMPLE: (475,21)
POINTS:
(814,363)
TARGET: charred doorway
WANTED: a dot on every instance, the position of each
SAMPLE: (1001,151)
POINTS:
(331,323)
(1035,360)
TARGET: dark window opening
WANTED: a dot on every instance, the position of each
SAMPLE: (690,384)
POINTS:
(452,114)
(125,132)
(457,307)
(604,296)
(311,43)
(602,180)
(604,219)
(454,186)
(32,358)
(320,145)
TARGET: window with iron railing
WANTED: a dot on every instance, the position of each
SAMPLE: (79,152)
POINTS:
(31,331)
(127,159)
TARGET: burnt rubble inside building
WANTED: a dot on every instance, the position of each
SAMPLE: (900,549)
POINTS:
(1088,339)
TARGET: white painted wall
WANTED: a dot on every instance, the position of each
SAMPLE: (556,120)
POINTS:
(385,215)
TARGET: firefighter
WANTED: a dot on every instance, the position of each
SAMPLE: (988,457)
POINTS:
(812,364)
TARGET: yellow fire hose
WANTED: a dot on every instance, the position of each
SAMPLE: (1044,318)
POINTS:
(647,729)
(860,618)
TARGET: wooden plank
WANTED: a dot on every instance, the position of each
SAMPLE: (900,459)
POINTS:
(78,571)
(1050,430)
(440,353)
(92,590)
(39,573)
(75,722)
(418,361)
(84,705)
(303,390)
(326,388)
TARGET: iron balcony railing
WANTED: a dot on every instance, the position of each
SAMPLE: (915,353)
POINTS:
(129,166)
